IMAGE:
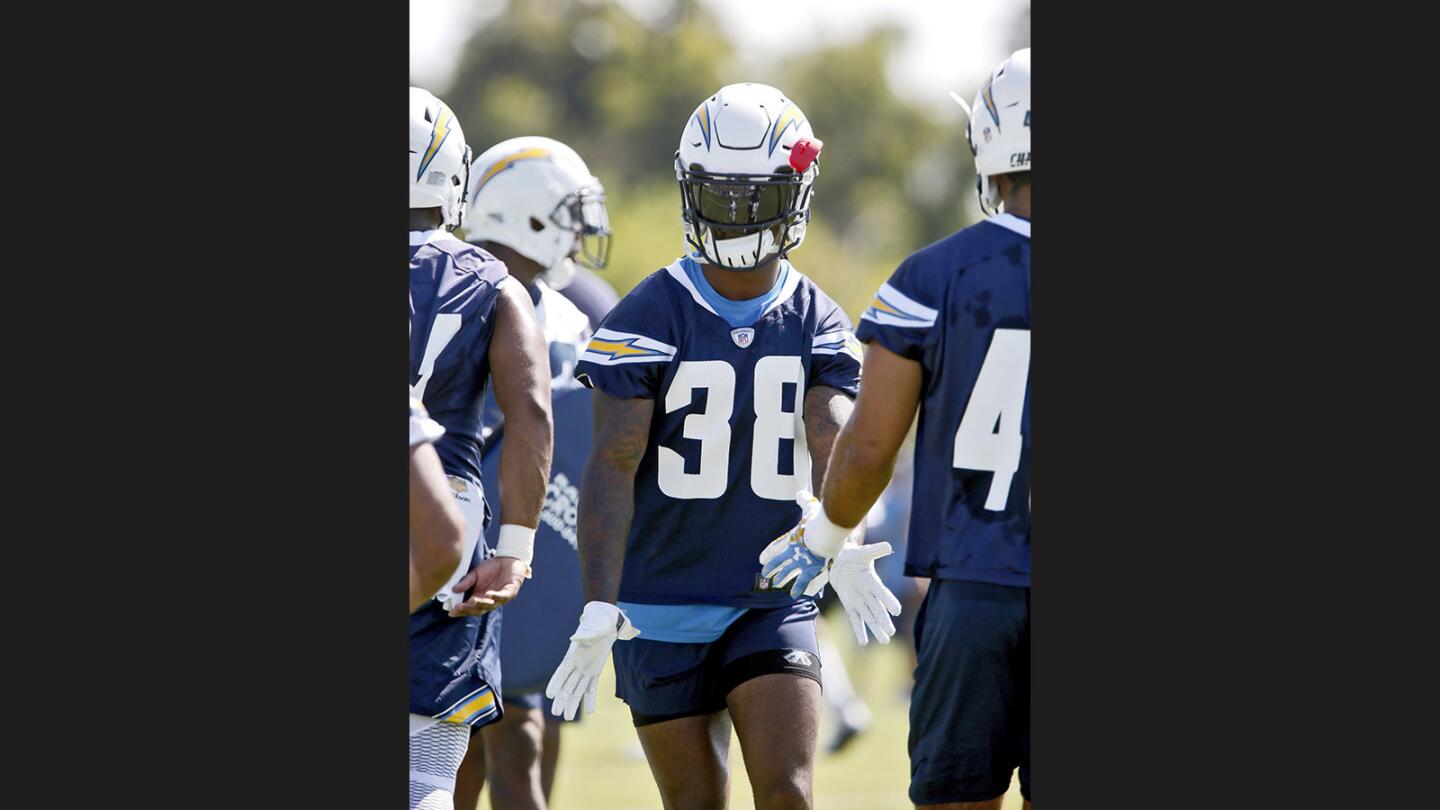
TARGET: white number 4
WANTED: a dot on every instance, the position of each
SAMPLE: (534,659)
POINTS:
(442,331)
(999,395)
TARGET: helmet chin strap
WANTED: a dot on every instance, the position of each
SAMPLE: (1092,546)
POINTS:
(989,194)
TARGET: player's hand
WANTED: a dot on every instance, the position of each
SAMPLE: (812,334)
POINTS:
(494,581)
(865,598)
(791,559)
(793,563)
(601,624)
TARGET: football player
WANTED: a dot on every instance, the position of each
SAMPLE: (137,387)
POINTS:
(719,383)
(950,333)
(469,321)
(437,529)
(535,205)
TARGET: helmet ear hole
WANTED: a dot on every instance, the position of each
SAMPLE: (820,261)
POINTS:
(536,225)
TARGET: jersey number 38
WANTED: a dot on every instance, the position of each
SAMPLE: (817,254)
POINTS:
(711,427)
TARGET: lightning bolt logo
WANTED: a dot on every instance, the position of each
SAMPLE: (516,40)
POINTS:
(703,119)
(621,348)
(437,137)
(509,160)
(990,104)
(790,117)
(880,305)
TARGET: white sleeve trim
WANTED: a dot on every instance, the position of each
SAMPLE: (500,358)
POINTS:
(841,341)
(893,308)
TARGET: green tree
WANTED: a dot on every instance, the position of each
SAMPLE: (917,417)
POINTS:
(619,90)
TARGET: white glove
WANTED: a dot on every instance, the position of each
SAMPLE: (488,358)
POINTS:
(601,624)
(865,598)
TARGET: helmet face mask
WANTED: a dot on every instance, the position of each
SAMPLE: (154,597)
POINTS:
(746,168)
(462,181)
(750,212)
(583,213)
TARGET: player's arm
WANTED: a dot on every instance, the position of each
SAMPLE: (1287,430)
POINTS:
(607,507)
(826,411)
(437,528)
(864,454)
(859,467)
(607,491)
(520,368)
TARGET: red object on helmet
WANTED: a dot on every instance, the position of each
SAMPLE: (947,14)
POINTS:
(804,152)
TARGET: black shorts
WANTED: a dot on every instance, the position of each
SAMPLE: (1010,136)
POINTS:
(665,681)
(970,709)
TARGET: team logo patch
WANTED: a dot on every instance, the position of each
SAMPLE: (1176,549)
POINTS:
(460,487)
(798,657)
(742,337)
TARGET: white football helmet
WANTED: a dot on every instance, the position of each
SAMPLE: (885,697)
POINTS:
(747,165)
(537,197)
(439,158)
(999,128)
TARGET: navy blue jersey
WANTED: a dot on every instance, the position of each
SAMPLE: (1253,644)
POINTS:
(453,290)
(961,308)
(454,662)
(727,440)
(538,623)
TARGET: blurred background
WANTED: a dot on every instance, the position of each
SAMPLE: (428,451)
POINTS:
(617,80)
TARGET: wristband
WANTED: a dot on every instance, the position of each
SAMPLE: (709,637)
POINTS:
(516,541)
(823,537)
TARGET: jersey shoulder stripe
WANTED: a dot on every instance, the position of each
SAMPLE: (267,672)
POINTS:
(893,308)
(839,341)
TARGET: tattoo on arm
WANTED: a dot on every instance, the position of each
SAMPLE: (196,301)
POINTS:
(607,491)
(826,411)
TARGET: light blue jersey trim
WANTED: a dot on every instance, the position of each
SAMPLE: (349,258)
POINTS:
(735,313)
(681,624)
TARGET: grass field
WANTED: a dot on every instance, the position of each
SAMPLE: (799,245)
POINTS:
(602,767)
